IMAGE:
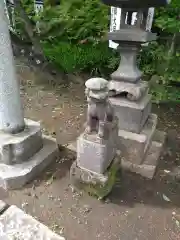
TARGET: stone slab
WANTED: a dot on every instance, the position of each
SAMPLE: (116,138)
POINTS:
(149,166)
(96,184)
(131,115)
(16,224)
(17,175)
(17,148)
(95,154)
(157,146)
(133,92)
(134,146)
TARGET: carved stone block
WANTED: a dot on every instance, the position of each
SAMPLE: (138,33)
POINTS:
(131,115)
(131,91)
(95,154)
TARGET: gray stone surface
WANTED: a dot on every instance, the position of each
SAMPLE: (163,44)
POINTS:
(133,91)
(96,184)
(148,167)
(16,224)
(95,154)
(20,147)
(132,35)
(17,175)
(131,115)
(128,70)
(3,193)
(133,146)
(3,206)
(156,148)
(144,170)
(85,176)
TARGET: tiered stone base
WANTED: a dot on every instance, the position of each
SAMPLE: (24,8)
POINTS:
(99,185)
(149,165)
(24,155)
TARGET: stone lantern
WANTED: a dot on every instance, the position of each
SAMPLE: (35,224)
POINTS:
(138,140)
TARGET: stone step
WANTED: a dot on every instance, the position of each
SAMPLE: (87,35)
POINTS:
(148,168)
(134,146)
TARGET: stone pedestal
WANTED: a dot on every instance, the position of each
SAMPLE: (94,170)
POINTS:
(131,115)
(138,140)
(95,154)
(97,164)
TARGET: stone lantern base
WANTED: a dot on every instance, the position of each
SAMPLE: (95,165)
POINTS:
(138,140)
(24,155)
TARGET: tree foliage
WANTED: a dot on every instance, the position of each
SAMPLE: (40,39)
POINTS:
(73,32)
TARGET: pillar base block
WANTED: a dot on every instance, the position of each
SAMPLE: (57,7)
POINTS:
(20,147)
(17,175)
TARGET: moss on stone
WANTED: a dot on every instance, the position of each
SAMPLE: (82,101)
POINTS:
(102,190)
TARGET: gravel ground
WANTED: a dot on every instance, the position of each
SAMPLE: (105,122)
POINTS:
(137,209)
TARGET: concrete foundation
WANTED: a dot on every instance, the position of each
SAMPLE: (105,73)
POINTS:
(16,224)
(131,115)
(17,175)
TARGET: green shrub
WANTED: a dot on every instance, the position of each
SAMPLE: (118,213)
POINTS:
(80,57)
(72,35)
(75,20)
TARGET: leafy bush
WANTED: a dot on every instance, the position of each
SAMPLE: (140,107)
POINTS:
(79,57)
(74,21)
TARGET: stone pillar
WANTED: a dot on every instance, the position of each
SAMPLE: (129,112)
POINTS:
(11,112)
(24,152)
(138,139)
